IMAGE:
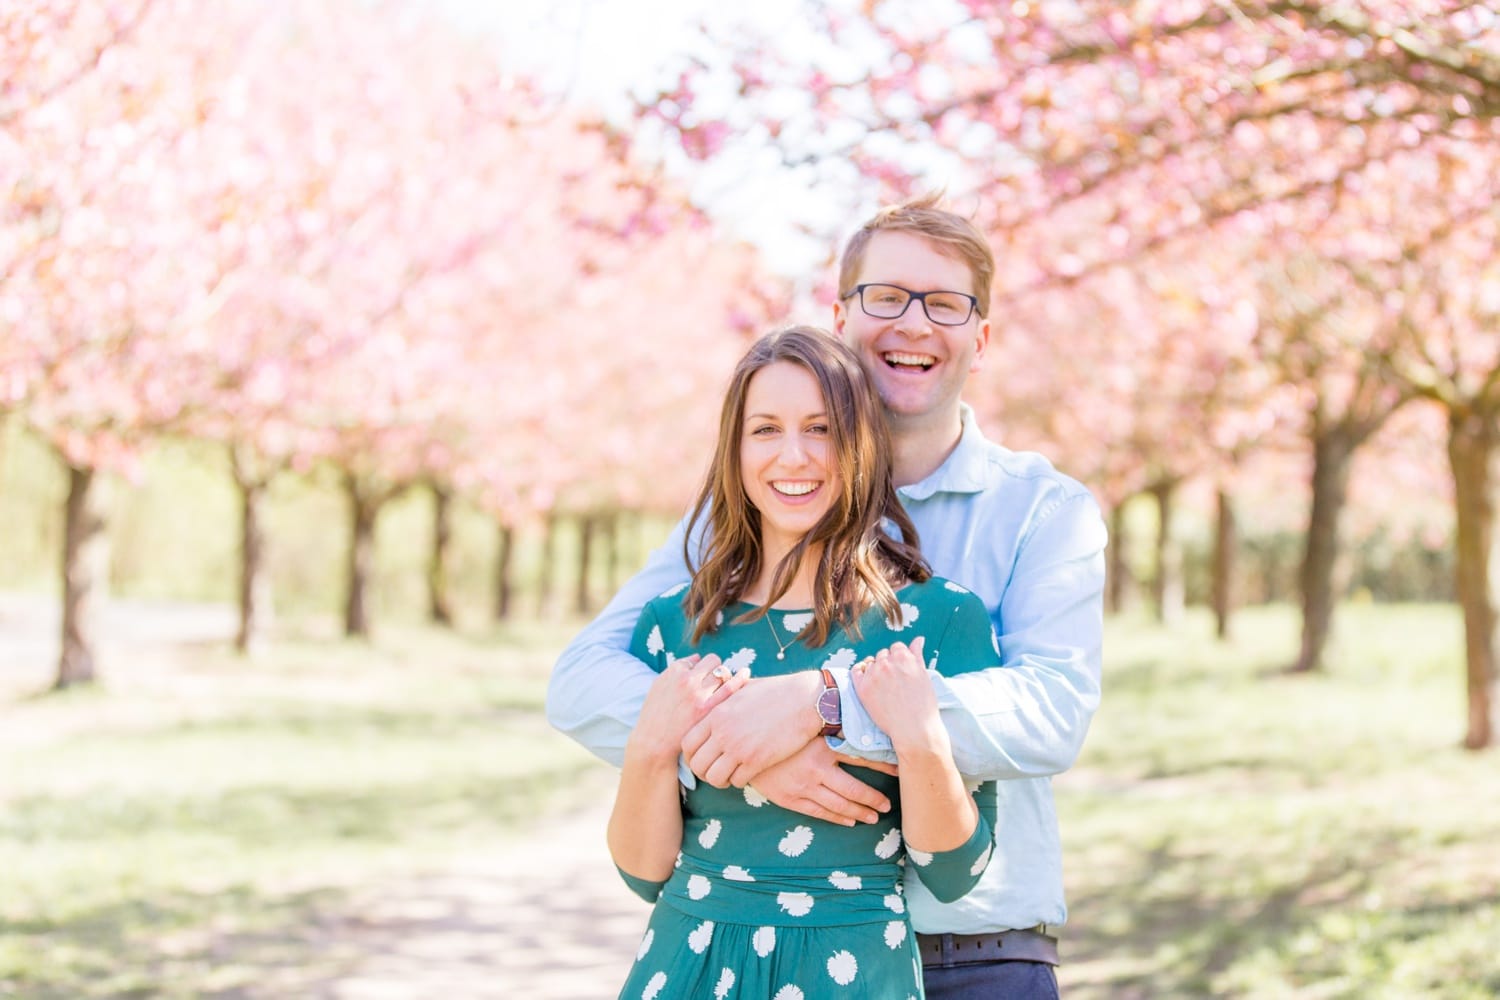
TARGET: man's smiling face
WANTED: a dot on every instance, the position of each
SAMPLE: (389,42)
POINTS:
(918,366)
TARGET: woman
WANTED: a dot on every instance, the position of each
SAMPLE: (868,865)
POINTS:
(798,573)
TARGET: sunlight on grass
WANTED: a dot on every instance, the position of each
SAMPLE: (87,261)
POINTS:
(1234,831)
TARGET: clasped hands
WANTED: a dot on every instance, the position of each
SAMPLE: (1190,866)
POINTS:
(738,731)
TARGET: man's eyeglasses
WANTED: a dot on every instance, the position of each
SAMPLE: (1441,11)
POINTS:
(891,301)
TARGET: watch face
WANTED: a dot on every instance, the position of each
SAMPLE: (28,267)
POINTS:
(828,706)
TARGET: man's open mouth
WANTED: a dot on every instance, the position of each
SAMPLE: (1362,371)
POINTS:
(908,362)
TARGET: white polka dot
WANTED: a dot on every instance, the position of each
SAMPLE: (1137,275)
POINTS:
(740,660)
(677,863)
(754,799)
(796,841)
(701,936)
(764,941)
(697,887)
(844,657)
(654,644)
(726,980)
(640,952)
(889,844)
(895,903)
(842,968)
(895,934)
(709,835)
(798,904)
(981,861)
(735,873)
(796,622)
(788,992)
(719,620)
(908,617)
(950,585)
(841,880)
(654,987)
(922,858)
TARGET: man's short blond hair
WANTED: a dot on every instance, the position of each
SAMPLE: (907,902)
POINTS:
(952,234)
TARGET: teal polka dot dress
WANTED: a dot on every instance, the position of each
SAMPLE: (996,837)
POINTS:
(768,904)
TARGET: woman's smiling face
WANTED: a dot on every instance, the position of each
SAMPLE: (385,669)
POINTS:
(787,462)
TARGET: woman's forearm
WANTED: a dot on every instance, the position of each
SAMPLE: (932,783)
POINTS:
(937,811)
(645,828)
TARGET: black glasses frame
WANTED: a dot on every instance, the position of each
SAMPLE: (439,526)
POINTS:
(911,297)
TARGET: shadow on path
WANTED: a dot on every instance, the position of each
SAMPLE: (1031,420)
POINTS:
(545,916)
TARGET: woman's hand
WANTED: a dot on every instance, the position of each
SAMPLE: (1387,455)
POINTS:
(894,688)
(680,696)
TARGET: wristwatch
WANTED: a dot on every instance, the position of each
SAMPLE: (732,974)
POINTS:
(829,707)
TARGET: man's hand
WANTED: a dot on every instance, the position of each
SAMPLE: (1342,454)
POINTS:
(764,723)
(811,782)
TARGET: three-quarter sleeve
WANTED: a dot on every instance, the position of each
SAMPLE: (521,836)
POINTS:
(950,874)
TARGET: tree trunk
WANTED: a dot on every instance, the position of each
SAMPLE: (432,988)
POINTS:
(1119,584)
(1475,460)
(587,527)
(611,526)
(1166,588)
(440,601)
(363,509)
(1225,541)
(547,571)
(1332,454)
(85,565)
(255,581)
(504,573)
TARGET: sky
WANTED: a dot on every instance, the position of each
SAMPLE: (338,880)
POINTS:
(597,51)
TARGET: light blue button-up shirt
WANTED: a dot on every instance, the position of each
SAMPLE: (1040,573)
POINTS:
(1030,542)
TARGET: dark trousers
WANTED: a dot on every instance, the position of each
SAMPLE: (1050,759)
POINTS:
(990,981)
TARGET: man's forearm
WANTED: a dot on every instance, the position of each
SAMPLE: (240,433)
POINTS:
(595,695)
(596,689)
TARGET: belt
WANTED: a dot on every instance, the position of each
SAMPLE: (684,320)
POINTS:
(1031,945)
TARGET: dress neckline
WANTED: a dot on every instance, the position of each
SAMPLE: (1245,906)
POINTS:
(807,611)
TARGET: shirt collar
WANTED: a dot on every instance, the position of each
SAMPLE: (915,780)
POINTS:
(963,471)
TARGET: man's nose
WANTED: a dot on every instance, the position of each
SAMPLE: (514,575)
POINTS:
(914,322)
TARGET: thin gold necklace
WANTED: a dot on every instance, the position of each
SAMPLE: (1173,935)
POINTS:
(780,646)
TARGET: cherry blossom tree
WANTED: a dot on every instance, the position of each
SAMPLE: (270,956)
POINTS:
(375,279)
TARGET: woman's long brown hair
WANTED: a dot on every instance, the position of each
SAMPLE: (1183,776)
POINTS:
(861,564)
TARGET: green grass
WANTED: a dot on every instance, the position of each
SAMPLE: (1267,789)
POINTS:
(1230,831)
(1234,831)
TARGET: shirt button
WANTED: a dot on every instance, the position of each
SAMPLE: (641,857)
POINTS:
(866,740)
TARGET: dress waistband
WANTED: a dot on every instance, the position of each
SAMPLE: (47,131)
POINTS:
(814,897)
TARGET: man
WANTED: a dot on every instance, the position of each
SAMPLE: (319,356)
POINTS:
(914,291)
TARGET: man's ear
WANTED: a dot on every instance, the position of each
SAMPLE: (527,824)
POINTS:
(839,316)
(982,343)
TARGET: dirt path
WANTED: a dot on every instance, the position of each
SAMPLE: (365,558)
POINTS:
(544,917)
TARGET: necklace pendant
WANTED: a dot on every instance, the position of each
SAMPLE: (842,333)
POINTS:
(781,654)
